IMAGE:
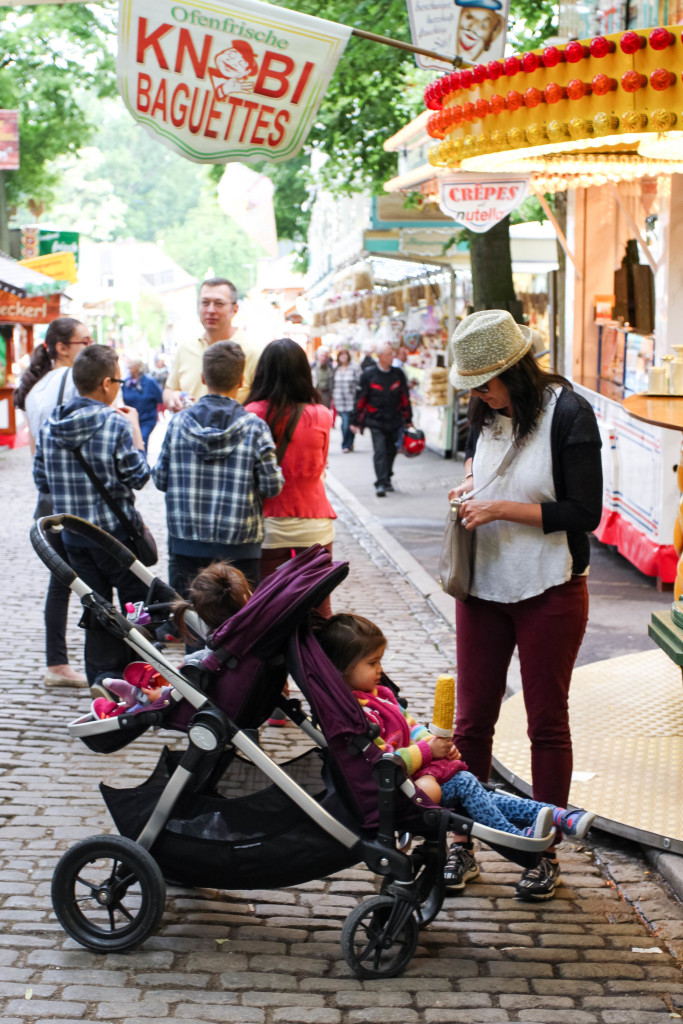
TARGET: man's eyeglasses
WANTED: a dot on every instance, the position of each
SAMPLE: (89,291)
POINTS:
(117,380)
(483,389)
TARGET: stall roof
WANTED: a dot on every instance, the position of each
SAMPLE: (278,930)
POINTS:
(22,281)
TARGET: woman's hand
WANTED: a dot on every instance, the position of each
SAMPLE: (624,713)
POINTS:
(477,512)
(457,492)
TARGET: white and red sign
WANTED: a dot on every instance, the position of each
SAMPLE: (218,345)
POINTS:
(240,80)
(478,202)
(472,30)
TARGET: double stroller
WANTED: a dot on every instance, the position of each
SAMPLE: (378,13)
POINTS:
(221,813)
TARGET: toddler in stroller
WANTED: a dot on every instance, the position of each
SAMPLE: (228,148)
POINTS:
(356,647)
(223,814)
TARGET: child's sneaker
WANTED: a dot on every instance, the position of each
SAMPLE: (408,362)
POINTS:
(543,825)
(460,867)
(574,823)
(539,883)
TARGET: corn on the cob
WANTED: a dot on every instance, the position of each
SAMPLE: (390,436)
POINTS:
(444,707)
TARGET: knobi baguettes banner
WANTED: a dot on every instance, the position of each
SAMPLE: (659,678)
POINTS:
(226,81)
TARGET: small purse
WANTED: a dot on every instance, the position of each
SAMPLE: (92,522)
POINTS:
(456,560)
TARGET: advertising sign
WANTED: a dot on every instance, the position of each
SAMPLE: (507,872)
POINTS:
(37,241)
(221,81)
(37,310)
(478,202)
(473,30)
(9,140)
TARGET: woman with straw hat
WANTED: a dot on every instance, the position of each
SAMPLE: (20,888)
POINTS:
(531,559)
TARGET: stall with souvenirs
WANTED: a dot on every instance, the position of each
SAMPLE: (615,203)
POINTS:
(27,299)
(410,305)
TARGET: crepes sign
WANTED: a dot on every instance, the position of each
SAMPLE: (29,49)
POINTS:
(479,202)
(218,82)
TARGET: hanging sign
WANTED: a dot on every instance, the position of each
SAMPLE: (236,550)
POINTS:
(473,30)
(240,80)
(9,140)
(479,202)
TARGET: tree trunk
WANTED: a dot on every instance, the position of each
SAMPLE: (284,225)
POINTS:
(491,263)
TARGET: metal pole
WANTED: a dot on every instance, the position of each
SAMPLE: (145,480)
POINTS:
(455,61)
(4,224)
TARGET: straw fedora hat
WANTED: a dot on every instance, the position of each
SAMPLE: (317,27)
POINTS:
(483,345)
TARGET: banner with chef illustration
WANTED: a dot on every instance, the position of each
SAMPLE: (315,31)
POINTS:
(216,82)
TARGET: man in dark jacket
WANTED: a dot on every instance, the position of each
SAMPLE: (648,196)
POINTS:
(383,405)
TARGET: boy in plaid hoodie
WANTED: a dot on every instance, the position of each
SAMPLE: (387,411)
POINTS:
(111,443)
(217,464)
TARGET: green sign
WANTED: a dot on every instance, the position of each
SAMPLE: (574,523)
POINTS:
(50,242)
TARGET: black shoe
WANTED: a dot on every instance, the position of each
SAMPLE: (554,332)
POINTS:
(539,883)
(380,492)
(460,867)
(389,487)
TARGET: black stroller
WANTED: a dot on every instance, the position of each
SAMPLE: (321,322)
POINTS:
(206,817)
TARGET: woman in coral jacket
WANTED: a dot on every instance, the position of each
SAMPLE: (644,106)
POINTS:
(283,395)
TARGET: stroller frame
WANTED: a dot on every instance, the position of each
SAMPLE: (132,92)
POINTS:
(380,935)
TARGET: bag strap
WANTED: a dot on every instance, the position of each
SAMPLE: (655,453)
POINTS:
(507,459)
(102,490)
(62,385)
(288,432)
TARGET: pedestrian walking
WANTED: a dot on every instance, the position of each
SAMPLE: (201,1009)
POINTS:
(142,392)
(346,380)
(323,375)
(46,383)
(530,559)
(383,405)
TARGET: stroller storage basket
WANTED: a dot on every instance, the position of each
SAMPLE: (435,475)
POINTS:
(261,840)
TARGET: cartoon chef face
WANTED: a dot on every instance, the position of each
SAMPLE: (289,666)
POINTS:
(479,24)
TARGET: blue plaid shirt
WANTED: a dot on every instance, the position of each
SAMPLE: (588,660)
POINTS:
(106,441)
(217,464)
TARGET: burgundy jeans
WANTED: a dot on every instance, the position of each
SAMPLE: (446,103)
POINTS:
(548,630)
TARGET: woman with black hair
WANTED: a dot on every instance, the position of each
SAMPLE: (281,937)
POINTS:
(46,383)
(531,556)
(283,395)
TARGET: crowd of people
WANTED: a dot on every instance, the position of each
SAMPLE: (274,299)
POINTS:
(242,468)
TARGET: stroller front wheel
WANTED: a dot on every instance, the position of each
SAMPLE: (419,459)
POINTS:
(379,937)
(108,893)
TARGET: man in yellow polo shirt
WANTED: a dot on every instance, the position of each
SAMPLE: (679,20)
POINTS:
(217,306)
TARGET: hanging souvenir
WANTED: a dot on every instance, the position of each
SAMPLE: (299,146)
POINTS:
(413,332)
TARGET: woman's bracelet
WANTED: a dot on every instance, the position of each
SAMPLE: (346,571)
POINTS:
(469,476)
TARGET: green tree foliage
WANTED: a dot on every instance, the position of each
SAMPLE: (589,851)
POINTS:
(49,54)
(210,240)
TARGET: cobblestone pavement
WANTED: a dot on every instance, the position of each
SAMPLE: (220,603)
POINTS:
(608,949)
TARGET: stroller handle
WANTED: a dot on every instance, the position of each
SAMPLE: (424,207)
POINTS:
(83,528)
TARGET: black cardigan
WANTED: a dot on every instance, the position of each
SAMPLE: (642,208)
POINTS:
(577,474)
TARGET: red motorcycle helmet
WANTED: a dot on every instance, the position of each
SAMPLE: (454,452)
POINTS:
(413,442)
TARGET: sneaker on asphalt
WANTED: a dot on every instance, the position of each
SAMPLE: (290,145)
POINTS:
(539,883)
(543,825)
(460,867)
(576,823)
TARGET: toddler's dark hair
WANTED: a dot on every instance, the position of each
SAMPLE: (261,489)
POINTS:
(347,638)
(216,593)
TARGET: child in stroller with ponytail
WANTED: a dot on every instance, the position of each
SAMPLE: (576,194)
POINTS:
(356,646)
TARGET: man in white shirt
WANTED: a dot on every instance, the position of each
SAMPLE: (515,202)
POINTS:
(216,306)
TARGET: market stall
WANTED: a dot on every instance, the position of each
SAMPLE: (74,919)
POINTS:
(599,119)
(27,298)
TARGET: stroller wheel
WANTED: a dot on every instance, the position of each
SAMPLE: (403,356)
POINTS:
(108,893)
(379,937)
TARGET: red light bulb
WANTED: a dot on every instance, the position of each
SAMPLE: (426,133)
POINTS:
(455,80)
(660,38)
(552,56)
(511,66)
(495,69)
(514,100)
(456,114)
(497,104)
(600,46)
(532,97)
(530,62)
(576,89)
(479,73)
(466,79)
(482,108)
(468,111)
(575,51)
(553,92)
(631,42)
(602,84)
(662,78)
(632,81)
